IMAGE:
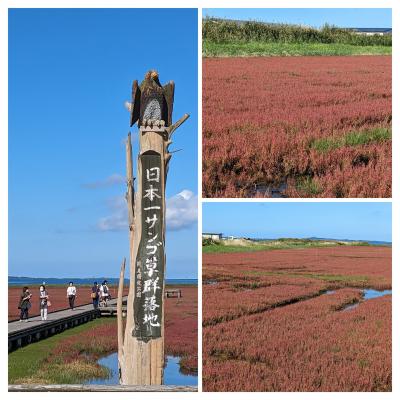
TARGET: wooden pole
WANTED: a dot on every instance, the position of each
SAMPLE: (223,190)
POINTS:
(120,319)
(142,358)
(142,346)
(143,361)
(130,194)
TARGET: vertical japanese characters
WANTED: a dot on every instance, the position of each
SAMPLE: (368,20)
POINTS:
(150,259)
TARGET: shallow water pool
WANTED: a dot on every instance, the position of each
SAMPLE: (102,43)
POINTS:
(368,294)
(172,375)
(372,294)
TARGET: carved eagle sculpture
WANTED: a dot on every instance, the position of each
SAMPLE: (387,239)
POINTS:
(152,103)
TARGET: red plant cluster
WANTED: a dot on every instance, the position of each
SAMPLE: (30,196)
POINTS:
(262,115)
(93,344)
(264,343)
(306,346)
(180,330)
(367,266)
(226,305)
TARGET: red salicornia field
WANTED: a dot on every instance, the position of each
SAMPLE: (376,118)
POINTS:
(297,126)
(297,320)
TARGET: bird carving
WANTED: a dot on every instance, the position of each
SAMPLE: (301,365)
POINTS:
(152,103)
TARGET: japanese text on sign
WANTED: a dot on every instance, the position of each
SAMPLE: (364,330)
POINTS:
(149,278)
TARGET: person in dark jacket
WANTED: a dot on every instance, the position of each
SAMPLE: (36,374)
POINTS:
(25,304)
(95,295)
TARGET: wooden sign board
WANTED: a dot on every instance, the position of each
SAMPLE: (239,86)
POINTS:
(149,277)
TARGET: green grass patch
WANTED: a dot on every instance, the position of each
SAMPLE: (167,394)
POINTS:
(360,280)
(222,30)
(215,248)
(278,244)
(308,187)
(354,138)
(258,49)
(27,362)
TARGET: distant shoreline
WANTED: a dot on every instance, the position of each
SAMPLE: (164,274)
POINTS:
(14,281)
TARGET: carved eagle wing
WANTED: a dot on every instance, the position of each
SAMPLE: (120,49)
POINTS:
(135,109)
(169,90)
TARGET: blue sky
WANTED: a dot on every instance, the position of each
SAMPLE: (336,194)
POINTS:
(338,220)
(70,72)
(343,17)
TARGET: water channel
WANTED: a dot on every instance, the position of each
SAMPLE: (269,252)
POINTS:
(368,294)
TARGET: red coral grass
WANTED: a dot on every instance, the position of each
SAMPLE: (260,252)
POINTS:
(263,116)
(256,338)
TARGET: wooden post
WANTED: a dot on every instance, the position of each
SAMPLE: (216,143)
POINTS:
(119,318)
(142,351)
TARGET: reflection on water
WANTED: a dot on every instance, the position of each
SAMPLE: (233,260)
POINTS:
(110,362)
(350,306)
(368,294)
(372,294)
(268,190)
(172,375)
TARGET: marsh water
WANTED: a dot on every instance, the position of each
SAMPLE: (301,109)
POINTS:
(372,294)
(172,374)
(268,190)
(368,294)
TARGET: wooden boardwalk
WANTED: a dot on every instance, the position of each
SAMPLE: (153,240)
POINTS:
(100,388)
(21,333)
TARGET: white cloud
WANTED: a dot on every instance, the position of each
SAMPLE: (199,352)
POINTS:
(114,179)
(128,105)
(118,219)
(181,210)
(181,213)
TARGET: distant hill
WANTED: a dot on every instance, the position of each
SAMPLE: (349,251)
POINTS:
(370,242)
(250,244)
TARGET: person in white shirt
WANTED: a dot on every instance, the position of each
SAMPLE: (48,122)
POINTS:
(104,293)
(44,298)
(71,294)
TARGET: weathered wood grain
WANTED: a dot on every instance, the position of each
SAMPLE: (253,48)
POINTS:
(143,363)
(119,314)
(101,388)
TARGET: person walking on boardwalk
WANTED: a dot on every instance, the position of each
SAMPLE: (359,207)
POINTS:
(71,294)
(44,302)
(25,304)
(104,293)
(95,295)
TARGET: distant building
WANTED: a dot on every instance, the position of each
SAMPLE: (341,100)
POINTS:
(372,31)
(213,236)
